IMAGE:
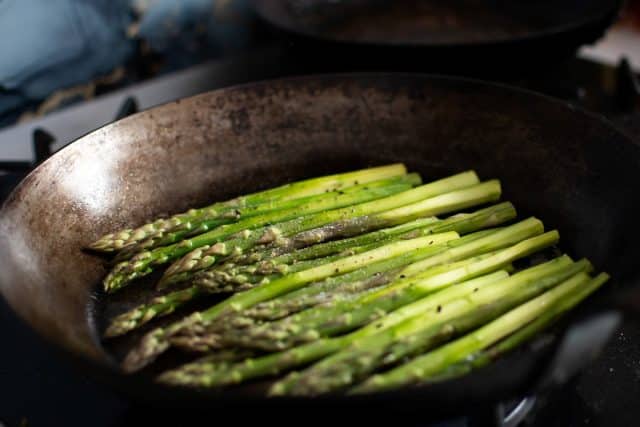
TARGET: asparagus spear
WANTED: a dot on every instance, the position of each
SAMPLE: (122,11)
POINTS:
(337,223)
(156,341)
(460,223)
(278,253)
(484,357)
(281,307)
(273,364)
(229,274)
(360,279)
(422,332)
(213,280)
(434,362)
(278,210)
(140,264)
(159,306)
(116,241)
(345,315)
(297,300)
(242,328)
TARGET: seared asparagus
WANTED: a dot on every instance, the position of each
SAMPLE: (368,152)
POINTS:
(424,331)
(275,363)
(121,239)
(424,367)
(338,223)
(335,318)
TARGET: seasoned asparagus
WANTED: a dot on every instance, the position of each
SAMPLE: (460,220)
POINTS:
(424,331)
(363,278)
(331,319)
(276,211)
(156,341)
(338,223)
(335,201)
(121,239)
(145,262)
(275,363)
(424,367)
(229,274)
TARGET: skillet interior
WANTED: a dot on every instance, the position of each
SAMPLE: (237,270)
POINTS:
(571,169)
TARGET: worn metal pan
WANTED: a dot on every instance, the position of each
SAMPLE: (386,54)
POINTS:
(465,37)
(568,167)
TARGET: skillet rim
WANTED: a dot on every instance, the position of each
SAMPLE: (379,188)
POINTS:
(605,17)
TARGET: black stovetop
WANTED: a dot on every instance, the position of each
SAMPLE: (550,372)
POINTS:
(40,388)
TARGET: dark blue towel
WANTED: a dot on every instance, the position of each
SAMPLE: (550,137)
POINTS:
(51,44)
(48,44)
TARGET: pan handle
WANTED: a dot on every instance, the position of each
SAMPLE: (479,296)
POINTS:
(579,347)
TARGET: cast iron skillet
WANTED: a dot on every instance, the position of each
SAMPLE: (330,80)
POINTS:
(461,36)
(570,168)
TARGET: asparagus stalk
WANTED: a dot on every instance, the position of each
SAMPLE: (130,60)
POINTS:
(281,308)
(121,239)
(484,357)
(159,306)
(140,264)
(509,235)
(279,209)
(156,341)
(273,364)
(337,223)
(434,362)
(280,254)
(242,328)
(460,223)
(424,331)
(281,264)
(364,278)
(344,315)
(213,280)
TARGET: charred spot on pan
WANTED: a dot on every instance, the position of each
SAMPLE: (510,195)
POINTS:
(240,121)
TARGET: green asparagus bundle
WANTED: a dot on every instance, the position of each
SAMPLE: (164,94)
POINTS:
(332,201)
(462,223)
(279,211)
(432,363)
(239,330)
(298,190)
(427,200)
(414,283)
(245,238)
(479,292)
(424,331)
(219,374)
(229,275)
(157,341)
(354,273)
